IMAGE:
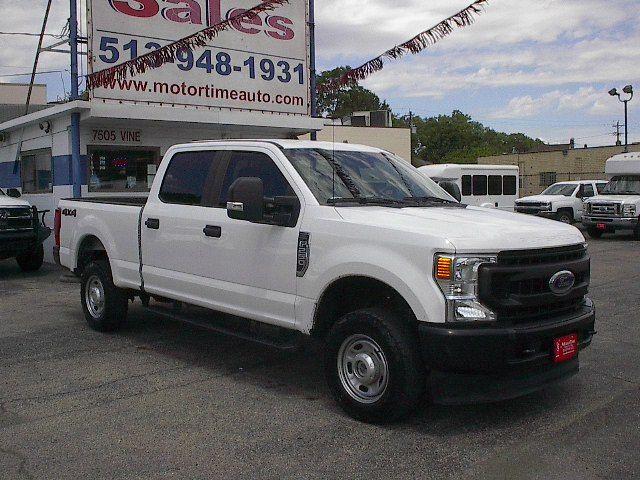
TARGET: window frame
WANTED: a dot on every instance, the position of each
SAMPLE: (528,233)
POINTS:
(90,148)
(34,153)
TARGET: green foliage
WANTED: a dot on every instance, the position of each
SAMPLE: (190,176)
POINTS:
(456,138)
(346,100)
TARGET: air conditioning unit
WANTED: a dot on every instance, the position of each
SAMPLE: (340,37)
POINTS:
(376,118)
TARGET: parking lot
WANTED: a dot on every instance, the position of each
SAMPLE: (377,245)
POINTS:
(164,400)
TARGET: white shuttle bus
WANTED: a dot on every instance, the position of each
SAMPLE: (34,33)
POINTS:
(492,186)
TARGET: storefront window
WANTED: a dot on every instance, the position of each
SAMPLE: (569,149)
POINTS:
(121,169)
(35,169)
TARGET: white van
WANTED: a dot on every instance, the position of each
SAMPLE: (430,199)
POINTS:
(492,186)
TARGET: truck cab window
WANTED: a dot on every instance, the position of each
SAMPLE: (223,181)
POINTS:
(466,185)
(479,184)
(587,191)
(255,164)
(189,178)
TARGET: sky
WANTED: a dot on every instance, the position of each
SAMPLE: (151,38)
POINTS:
(540,67)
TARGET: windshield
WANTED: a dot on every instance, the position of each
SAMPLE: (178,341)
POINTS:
(351,175)
(565,189)
(623,185)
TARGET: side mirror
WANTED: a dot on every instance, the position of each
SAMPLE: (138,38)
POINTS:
(452,189)
(246,200)
(13,192)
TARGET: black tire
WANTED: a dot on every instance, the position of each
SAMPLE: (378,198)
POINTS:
(594,232)
(397,341)
(114,300)
(565,216)
(31,261)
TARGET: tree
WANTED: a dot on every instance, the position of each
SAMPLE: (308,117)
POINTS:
(347,99)
(456,138)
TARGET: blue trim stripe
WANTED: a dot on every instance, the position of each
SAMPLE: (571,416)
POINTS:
(7,178)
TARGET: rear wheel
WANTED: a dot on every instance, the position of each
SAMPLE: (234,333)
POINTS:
(31,261)
(373,366)
(104,304)
(594,232)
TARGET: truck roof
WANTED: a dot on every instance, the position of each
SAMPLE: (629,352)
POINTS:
(623,164)
(285,144)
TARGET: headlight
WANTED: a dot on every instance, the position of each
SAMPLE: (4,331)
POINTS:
(628,210)
(457,277)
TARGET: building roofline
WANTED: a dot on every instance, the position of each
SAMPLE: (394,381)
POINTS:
(52,112)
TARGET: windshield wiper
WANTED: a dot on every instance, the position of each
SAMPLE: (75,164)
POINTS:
(432,200)
(380,201)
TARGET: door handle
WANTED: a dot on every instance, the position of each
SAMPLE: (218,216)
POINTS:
(212,231)
(152,223)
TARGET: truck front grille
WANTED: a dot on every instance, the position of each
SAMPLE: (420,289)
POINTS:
(517,286)
(609,209)
(16,219)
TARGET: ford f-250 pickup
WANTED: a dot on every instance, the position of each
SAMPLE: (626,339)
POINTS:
(279,240)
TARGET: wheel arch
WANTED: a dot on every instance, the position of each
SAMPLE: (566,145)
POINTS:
(354,292)
(90,248)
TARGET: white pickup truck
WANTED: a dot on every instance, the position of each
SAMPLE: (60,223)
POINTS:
(286,239)
(618,206)
(561,201)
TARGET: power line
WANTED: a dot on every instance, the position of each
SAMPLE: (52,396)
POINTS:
(26,74)
(29,34)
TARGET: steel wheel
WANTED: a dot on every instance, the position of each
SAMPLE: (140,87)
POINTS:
(363,369)
(94,296)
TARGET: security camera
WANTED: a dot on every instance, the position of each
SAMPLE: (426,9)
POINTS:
(46,126)
(613,92)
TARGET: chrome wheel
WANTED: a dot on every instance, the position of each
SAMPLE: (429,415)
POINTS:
(363,369)
(94,296)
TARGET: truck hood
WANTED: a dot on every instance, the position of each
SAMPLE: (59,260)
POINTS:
(615,198)
(472,229)
(540,198)
(6,201)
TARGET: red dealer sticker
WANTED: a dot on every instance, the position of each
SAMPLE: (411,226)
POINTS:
(565,348)
(601,226)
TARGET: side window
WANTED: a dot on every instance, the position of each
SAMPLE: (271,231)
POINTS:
(600,187)
(495,184)
(190,178)
(588,191)
(255,164)
(466,185)
(509,185)
(35,168)
(479,185)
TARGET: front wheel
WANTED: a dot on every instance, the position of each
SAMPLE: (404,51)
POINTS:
(565,217)
(373,366)
(594,232)
(104,304)
(31,261)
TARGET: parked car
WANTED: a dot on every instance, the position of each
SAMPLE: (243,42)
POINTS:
(410,290)
(561,201)
(618,206)
(21,231)
(491,186)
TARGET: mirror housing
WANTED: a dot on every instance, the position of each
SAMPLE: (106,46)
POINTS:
(13,192)
(452,189)
(246,200)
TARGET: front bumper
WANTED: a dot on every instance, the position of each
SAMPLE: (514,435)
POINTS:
(15,243)
(611,223)
(491,363)
(539,211)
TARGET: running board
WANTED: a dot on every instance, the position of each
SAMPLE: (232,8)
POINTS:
(286,339)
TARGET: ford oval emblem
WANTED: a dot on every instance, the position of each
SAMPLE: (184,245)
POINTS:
(561,282)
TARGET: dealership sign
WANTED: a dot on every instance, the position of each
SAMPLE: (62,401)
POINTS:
(260,63)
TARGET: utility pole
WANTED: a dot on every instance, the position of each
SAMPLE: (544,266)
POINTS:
(75,116)
(312,64)
(617,134)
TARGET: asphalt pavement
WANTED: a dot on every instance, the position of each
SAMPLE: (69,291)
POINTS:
(160,399)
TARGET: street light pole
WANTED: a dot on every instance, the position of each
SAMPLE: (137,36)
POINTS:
(629,91)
